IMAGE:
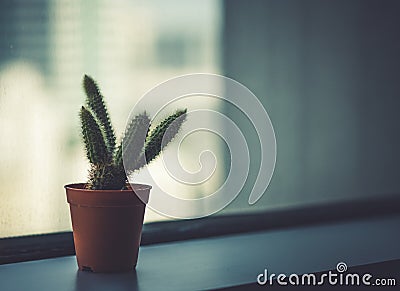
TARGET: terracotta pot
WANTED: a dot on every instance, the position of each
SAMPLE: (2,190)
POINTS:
(107,226)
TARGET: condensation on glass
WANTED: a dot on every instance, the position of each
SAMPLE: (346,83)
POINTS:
(46,47)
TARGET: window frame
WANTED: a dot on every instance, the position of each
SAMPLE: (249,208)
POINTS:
(52,245)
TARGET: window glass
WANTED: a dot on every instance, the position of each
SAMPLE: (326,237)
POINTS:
(327,72)
(46,47)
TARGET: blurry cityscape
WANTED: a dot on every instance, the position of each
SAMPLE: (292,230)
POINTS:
(45,48)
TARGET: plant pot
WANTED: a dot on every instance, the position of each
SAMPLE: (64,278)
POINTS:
(107,226)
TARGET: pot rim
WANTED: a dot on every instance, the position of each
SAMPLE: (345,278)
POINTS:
(78,195)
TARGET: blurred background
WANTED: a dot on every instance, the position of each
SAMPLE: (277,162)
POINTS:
(326,71)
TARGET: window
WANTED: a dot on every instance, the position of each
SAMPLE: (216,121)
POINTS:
(46,47)
(326,73)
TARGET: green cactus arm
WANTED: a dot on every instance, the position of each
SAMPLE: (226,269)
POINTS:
(132,144)
(161,136)
(95,102)
(95,146)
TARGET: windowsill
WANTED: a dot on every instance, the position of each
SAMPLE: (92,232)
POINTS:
(223,261)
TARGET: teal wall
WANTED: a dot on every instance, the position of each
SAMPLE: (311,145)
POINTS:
(328,73)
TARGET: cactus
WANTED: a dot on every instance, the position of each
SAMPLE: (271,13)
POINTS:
(139,145)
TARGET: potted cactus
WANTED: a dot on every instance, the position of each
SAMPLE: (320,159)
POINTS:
(106,212)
